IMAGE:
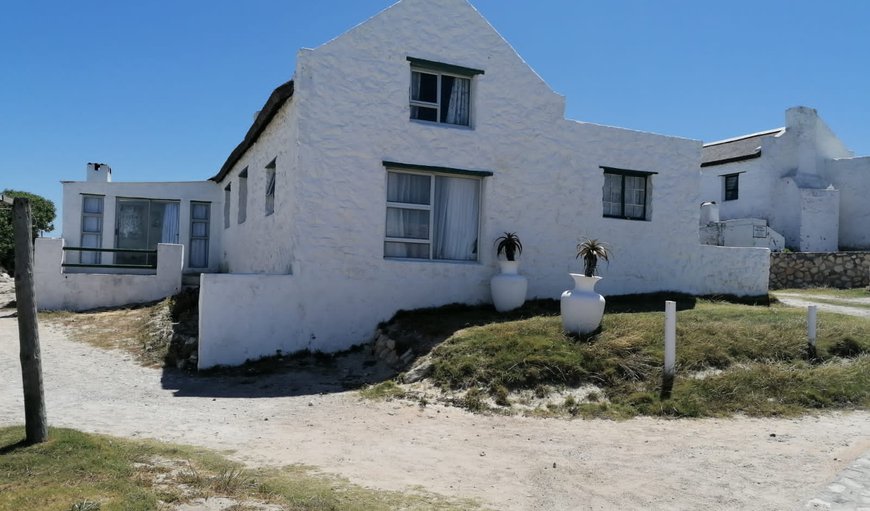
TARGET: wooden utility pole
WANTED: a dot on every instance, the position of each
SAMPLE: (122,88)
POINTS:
(35,423)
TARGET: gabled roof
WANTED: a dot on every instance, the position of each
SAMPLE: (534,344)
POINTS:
(276,100)
(735,149)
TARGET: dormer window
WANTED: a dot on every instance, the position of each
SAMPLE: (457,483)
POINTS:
(441,93)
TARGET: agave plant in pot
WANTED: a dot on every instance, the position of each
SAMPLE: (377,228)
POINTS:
(582,308)
(508,287)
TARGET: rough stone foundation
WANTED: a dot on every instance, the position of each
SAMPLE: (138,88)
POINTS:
(819,269)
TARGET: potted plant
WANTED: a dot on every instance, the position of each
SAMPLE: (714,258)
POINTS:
(582,308)
(508,287)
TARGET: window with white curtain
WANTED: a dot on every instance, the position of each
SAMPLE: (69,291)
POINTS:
(441,93)
(92,228)
(625,193)
(200,213)
(432,216)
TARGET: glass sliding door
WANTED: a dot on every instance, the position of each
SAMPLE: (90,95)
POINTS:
(141,224)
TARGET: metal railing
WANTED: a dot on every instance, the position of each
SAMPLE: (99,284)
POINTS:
(146,253)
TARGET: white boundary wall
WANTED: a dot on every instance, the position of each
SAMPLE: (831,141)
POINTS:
(56,290)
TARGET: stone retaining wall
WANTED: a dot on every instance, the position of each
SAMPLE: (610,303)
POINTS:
(818,269)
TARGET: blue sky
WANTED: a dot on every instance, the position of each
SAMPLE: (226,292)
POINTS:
(164,90)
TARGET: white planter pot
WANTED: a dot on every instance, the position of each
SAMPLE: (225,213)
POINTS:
(582,308)
(509,287)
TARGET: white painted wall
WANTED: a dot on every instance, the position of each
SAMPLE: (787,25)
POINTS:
(851,176)
(57,290)
(185,192)
(787,186)
(350,112)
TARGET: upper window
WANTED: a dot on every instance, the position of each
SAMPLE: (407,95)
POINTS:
(270,188)
(732,186)
(432,216)
(626,193)
(441,92)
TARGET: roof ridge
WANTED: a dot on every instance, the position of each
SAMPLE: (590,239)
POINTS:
(744,137)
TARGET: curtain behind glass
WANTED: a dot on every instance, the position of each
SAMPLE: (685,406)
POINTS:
(199,253)
(169,233)
(456,111)
(635,196)
(456,218)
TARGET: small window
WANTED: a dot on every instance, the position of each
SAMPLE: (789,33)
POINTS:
(626,194)
(270,188)
(732,186)
(243,196)
(441,93)
(431,216)
(228,191)
(92,228)
(200,212)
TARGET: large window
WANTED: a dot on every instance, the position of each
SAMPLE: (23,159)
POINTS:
(626,193)
(200,213)
(140,224)
(432,216)
(441,92)
(732,186)
(92,228)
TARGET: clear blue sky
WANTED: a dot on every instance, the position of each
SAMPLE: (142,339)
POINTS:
(164,90)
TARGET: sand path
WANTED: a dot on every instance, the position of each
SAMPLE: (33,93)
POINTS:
(505,462)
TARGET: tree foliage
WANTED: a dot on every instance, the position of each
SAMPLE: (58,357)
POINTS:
(43,213)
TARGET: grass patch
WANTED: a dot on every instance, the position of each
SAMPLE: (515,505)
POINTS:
(79,471)
(384,391)
(753,360)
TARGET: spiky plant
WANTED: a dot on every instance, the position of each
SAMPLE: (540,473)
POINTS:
(510,244)
(591,250)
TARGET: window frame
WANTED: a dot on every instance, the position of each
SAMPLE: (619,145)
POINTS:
(192,237)
(623,173)
(228,196)
(735,193)
(440,70)
(271,183)
(431,172)
(94,257)
(242,213)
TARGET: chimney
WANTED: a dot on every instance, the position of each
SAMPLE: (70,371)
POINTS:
(99,173)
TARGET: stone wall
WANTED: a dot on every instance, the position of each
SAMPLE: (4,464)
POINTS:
(816,269)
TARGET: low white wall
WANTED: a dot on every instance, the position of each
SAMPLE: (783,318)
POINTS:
(56,290)
(735,271)
(246,317)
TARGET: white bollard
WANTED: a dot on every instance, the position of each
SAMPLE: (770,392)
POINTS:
(670,337)
(811,325)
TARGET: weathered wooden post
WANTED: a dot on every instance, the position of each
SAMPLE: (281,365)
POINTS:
(811,332)
(35,424)
(670,348)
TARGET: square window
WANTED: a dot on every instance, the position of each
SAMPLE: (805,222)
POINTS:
(625,194)
(441,93)
(432,216)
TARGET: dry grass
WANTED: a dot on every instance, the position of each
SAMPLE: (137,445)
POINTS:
(129,329)
(84,472)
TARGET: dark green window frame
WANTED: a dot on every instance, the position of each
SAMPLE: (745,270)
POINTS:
(732,186)
(622,211)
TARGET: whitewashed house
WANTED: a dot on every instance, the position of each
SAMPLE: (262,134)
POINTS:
(379,177)
(799,180)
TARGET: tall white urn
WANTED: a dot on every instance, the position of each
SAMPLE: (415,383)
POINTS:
(508,287)
(582,308)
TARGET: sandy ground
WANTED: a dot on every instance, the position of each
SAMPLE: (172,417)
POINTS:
(804,299)
(504,462)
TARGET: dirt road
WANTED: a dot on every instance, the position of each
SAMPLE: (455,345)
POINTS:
(504,462)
